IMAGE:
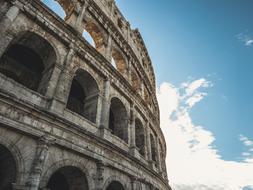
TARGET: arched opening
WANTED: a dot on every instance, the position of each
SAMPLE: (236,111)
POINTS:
(94,35)
(29,60)
(83,95)
(153,149)
(136,82)
(139,136)
(115,186)
(56,7)
(119,61)
(68,178)
(118,122)
(146,96)
(89,38)
(7,169)
(113,63)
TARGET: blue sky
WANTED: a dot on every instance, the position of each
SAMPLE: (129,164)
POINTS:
(202,53)
(199,38)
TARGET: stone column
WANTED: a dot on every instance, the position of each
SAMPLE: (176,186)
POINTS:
(62,88)
(98,177)
(130,70)
(142,89)
(135,183)
(149,154)
(77,21)
(40,158)
(145,143)
(133,149)
(108,49)
(50,86)
(5,23)
(105,111)
(159,164)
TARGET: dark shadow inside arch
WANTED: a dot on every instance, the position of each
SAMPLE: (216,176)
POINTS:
(115,186)
(118,119)
(29,60)
(7,169)
(68,178)
(139,136)
(83,95)
(153,149)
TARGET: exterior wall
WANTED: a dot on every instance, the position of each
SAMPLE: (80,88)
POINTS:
(44,136)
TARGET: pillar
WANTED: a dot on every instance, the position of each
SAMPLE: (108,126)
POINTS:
(40,158)
(133,149)
(105,110)
(63,83)
(76,21)
(6,22)
(108,49)
(99,176)
(130,63)
(159,163)
(148,143)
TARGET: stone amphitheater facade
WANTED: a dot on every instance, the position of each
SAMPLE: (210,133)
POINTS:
(69,118)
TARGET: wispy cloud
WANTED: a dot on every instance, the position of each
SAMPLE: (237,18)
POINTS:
(192,160)
(245,140)
(245,38)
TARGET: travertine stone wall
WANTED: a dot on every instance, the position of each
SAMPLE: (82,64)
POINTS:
(69,119)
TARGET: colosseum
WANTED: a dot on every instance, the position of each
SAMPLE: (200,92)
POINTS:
(76,115)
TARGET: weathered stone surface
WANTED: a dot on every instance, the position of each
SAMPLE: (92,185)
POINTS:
(69,119)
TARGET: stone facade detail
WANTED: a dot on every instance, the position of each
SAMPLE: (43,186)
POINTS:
(75,116)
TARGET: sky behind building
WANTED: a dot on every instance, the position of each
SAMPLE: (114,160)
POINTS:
(202,52)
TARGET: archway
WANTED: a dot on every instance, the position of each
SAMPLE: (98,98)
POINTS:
(29,60)
(139,136)
(153,149)
(7,169)
(94,35)
(136,82)
(83,96)
(119,61)
(118,119)
(115,186)
(56,7)
(68,178)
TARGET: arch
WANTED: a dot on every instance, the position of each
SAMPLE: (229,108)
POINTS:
(29,60)
(136,82)
(115,185)
(97,35)
(146,96)
(89,38)
(80,166)
(56,7)
(118,119)
(17,158)
(119,60)
(139,137)
(122,182)
(153,148)
(8,169)
(68,178)
(83,95)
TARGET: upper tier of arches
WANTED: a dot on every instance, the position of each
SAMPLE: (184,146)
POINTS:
(123,47)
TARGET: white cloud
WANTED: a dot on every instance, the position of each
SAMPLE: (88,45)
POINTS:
(249,42)
(192,160)
(245,140)
(245,38)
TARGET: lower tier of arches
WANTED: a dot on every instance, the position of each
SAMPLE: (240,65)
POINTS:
(39,164)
